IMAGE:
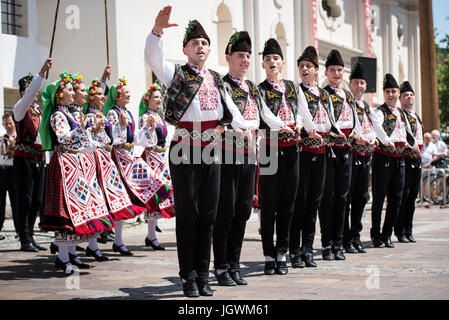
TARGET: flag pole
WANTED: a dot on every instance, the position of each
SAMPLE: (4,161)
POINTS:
(53,35)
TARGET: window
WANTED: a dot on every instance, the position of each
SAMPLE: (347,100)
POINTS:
(14,17)
(224,31)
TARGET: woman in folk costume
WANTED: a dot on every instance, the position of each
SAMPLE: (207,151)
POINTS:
(155,156)
(74,204)
(140,179)
(117,198)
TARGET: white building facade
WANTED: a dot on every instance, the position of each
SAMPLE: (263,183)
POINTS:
(387,30)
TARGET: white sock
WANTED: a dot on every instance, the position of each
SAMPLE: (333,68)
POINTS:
(63,255)
(268,258)
(281,257)
(93,245)
(118,235)
(152,231)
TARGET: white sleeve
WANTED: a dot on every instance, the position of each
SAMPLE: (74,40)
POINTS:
(238,123)
(154,56)
(21,107)
(377,118)
(304,113)
(271,120)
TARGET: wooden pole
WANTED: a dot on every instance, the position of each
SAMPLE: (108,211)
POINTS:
(53,35)
(429,85)
(107,30)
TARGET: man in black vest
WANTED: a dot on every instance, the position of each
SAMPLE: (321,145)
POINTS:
(198,105)
(312,164)
(338,162)
(278,191)
(361,161)
(403,228)
(29,162)
(388,165)
(237,177)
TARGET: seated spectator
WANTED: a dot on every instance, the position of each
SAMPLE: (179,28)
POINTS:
(440,145)
(429,151)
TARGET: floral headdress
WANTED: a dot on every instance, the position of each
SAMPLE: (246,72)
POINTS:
(146,98)
(114,93)
(51,96)
(93,88)
(65,79)
(76,81)
(121,82)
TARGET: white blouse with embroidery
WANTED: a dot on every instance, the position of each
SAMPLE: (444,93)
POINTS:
(77,139)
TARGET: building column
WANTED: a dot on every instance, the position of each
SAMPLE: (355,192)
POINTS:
(429,85)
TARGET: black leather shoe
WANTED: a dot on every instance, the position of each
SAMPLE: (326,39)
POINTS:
(350,248)
(41,248)
(54,248)
(338,253)
(359,247)
(281,267)
(2,238)
(78,248)
(296,261)
(91,253)
(117,248)
(102,240)
(63,266)
(81,265)
(377,243)
(327,254)
(235,275)
(157,229)
(190,288)
(204,288)
(270,268)
(149,243)
(402,239)
(225,279)
(388,243)
(28,247)
(308,261)
(410,238)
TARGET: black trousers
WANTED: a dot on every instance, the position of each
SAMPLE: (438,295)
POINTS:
(357,198)
(196,191)
(312,170)
(387,181)
(29,178)
(336,190)
(7,185)
(412,184)
(277,195)
(234,209)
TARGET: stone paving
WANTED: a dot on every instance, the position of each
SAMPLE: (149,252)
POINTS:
(408,271)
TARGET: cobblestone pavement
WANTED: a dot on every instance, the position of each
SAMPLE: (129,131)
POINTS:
(408,271)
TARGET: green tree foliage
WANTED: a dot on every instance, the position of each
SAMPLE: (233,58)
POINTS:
(443,81)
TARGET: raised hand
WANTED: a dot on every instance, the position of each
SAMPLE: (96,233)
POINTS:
(106,73)
(163,20)
(47,65)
